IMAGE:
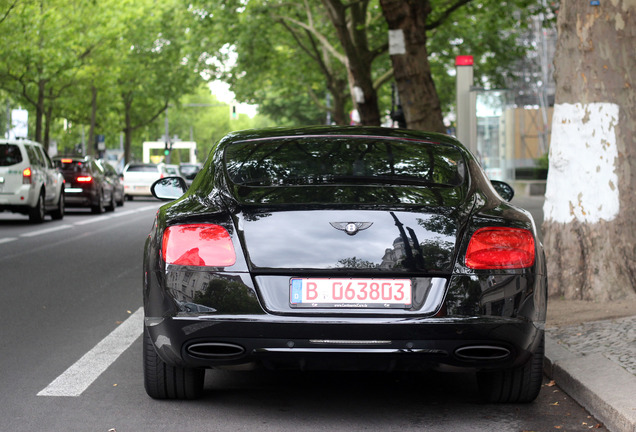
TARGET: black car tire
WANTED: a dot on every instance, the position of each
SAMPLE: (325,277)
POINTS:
(111,206)
(163,381)
(99,207)
(58,213)
(36,214)
(519,385)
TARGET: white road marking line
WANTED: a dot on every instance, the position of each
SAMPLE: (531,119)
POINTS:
(124,213)
(150,207)
(87,369)
(46,231)
(92,220)
(83,222)
(114,215)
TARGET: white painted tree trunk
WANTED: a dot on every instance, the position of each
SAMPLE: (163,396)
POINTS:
(590,208)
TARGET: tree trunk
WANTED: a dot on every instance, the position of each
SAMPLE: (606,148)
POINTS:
(338,114)
(352,37)
(412,71)
(39,113)
(590,228)
(48,119)
(128,128)
(92,150)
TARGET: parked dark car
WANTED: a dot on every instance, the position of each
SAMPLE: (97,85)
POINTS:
(86,183)
(117,181)
(189,171)
(343,248)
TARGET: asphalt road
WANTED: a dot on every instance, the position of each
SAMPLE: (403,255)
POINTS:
(70,355)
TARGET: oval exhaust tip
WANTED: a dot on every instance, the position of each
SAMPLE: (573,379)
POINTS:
(482,352)
(212,350)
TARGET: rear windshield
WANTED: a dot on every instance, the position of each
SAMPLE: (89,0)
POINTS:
(69,165)
(142,168)
(336,160)
(10,154)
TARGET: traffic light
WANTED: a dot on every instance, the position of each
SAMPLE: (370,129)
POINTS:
(166,149)
(233,112)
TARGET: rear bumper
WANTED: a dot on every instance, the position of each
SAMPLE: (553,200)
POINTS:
(20,200)
(216,319)
(78,197)
(348,343)
(137,190)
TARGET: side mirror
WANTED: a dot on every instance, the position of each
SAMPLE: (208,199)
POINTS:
(503,189)
(168,188)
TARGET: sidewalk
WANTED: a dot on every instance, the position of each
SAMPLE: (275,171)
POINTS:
(595,363)
(591,349)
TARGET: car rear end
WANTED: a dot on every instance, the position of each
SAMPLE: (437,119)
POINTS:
(19,190)
(354,266)
(81,188)
(139,177)
(189,171)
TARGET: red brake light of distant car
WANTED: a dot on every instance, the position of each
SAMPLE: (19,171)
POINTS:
(84,179)
(500,248)
(198,245)
(26,176)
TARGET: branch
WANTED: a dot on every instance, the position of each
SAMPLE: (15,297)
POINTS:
(316,99)
(297,39)
(323,40)
(320,60)
(312,52)
(380,50)
(6,14)
(383,79)
(20,90)
(152,119)
(447,13)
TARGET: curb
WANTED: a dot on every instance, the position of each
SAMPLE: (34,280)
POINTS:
(601,386)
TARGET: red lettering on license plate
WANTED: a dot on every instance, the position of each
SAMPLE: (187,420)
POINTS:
(350,293)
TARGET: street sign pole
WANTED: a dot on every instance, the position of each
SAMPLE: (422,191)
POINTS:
(465,124)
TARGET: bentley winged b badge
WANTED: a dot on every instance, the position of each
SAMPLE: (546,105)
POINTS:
(351,228)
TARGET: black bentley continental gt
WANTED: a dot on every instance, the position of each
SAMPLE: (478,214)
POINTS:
(343,248)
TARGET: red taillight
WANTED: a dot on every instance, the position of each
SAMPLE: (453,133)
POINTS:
(84,179)
(198,245)
(26,176)
(500,248)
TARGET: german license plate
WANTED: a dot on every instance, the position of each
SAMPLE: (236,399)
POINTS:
(350,293)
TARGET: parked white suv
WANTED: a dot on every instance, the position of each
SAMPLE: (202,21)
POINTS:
(29,182)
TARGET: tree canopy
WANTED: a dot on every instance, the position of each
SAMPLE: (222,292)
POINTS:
(337,51)
(115,66)
(98,68)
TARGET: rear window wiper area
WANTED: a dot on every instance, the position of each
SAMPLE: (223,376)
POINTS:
(389,179)
(382,179)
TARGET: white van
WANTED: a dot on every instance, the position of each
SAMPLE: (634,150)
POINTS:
(29,182)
